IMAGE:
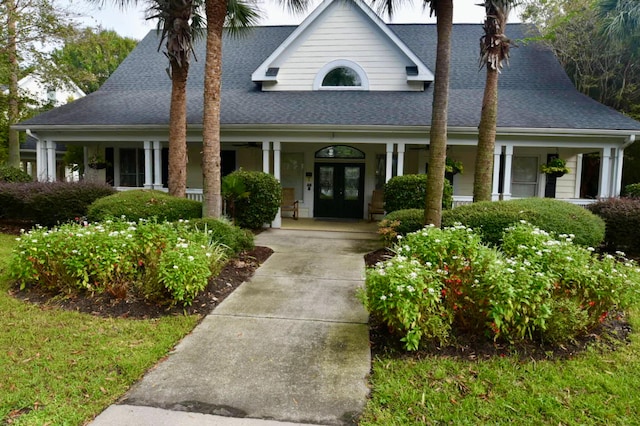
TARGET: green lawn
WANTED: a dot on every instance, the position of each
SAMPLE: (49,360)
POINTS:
(64,368)
(596,388)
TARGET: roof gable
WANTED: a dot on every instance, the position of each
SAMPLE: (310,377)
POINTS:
(342,32)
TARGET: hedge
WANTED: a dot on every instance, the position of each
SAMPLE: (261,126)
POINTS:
(144,204)
(410,192)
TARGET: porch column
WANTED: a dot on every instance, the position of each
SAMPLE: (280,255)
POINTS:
(389,169)
(157,165)
(51,161)
(617,172)
(41,160)
(495,192)
(277,222)
(576,191)
(508,160)
(148,164)
(401,151)
(265,156)
(85,158)
(605,173)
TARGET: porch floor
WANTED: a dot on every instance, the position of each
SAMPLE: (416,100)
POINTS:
(316,224)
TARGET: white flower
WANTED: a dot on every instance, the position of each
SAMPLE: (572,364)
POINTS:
(590,249)
(569,258)
(208,254)
(399,237)
(410,289)
(383,297)
(382,272)
(509,270)
(413,275)
(427,264)
(190,258)
(431,291)
(437,240)
(175,266)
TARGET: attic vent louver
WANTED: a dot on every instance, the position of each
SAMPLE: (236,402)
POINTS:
(412,70)
(272,72)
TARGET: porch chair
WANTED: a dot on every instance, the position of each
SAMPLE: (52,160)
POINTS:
(289,203)
(376,206)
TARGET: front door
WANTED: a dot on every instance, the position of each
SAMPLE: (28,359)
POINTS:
(339,190)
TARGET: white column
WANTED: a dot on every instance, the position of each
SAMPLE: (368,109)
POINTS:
(605,173)
(148,164)
(401,151)
(508,161)
(497,152)
(51,161)
(576,191)
(41,160)
(265,156)
(277,222)
(389,169)
(157,165)
(617,174)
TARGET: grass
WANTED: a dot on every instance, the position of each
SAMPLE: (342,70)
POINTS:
(597,387)
(63,367)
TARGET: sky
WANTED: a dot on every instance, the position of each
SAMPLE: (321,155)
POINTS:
(131,22)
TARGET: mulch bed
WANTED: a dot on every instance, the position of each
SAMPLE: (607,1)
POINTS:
(608,335)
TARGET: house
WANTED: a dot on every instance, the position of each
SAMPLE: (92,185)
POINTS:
(338,105)
(33,87)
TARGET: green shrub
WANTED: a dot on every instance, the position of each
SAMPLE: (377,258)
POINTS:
(144,204)
(222,232)
(160,262)
(622,216)
(14,174)
(400,222)
(49,203)
(410,191)
(491,218)
(446,281)
(632,191)
(261,205)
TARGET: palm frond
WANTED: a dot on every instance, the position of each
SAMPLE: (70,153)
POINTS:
(241,15)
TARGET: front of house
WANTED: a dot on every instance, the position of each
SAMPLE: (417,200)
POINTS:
(341,103)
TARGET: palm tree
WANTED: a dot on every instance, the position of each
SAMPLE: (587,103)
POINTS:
(494,50)
(443,10)
(179,23)
(237,15)
(621,17)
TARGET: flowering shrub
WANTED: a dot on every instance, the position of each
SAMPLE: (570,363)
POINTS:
(536,287)
(161,262)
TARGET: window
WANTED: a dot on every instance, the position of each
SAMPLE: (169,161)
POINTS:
(524,178)
(340,151)
(131,167)
(341,74)
(292,172)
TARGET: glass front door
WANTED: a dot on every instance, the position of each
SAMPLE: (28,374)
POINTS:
(339,190)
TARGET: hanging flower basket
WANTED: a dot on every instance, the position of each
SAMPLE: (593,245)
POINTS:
(556,167)
(453,167)
(97,162)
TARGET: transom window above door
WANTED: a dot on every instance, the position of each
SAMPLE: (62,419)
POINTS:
(341,75)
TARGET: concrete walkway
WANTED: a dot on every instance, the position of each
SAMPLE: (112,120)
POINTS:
(291,346)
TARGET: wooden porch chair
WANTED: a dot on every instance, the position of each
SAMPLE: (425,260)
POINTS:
(376,206)
(289,203)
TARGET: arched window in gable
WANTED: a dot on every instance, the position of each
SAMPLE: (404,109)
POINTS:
(341,75)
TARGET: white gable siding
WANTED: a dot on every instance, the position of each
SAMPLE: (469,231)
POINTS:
(343,33)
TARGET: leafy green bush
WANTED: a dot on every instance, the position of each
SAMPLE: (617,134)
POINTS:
(491,218)
(400,222)
(632,191)
(49,203)
(622,216)
(446,281)
(261,205)
(14,174)
(222,232)
(144,204)
(159,262)
(410,191)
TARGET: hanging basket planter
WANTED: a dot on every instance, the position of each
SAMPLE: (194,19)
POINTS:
(556,167)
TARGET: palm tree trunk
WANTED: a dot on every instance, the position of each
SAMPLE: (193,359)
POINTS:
(483,177)
(14,109)
(177,180)
(438,134)
(211,164)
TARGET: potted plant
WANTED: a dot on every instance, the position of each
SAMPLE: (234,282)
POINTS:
(97,162)
(453,167)
(556,167)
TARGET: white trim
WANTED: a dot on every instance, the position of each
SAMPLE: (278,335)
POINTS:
(578,181)
(341,63)
(424,73)
(401,151)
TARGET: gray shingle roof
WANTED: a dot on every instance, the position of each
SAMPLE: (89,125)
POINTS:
(534,90)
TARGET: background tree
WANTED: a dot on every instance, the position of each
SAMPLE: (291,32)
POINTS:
(27,25)
(91,55)
(237,15)
(494,50)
